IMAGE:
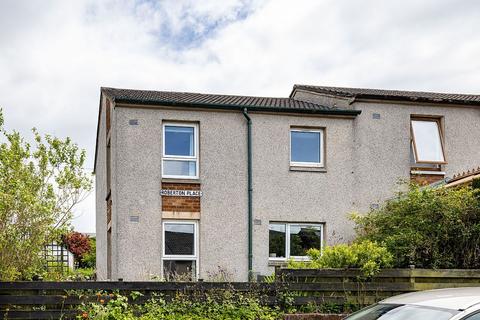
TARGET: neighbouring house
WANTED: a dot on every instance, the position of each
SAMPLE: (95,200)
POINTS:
(464,178)
(188,182)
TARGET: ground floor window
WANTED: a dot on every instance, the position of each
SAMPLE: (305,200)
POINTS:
(292,240)
(180,250)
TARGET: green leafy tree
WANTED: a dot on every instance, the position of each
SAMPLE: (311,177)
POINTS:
(427,227)
(40,184)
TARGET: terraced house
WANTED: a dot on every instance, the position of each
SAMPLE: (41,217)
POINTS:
(188,182)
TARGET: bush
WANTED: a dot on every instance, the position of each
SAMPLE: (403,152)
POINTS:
(221,304)
(89,258)
(428,228)
(77,243)
(365,255)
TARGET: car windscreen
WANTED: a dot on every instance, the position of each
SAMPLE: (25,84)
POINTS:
(383,311)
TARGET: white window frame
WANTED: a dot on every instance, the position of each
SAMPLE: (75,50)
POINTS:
(195,157)
(287,240)
(320,164)
(193,257)
(438,123)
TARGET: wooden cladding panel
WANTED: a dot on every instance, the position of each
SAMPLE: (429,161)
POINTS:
(109,210)
(108,116)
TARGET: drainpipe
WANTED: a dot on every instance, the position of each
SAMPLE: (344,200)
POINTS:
(250,191)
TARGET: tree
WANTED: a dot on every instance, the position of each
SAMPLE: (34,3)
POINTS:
(40,184)
(427,227)
(78,244)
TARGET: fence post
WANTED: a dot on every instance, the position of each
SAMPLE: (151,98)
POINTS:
(412,273)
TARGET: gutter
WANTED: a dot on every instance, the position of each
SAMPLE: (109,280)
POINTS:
(250,193)
(232,107)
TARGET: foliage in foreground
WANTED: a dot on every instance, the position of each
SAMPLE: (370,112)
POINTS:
(40,184)
(217,305)
(428,228)
(365,255)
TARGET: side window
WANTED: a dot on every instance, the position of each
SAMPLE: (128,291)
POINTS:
(180,257)
(180,150)
(306,147)
(292,240)
(475,316)
(427,141)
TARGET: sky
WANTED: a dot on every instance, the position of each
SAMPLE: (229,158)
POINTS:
(55,55)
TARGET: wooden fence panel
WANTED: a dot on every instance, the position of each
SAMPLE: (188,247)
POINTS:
(55,300)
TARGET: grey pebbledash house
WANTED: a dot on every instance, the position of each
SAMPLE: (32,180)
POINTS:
(187,182)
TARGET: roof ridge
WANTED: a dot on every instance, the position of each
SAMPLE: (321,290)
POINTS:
(393,95)
(464,174)
(199,93)
(346,89)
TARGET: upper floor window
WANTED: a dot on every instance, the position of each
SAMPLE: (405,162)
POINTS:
(306,147)
(427,141)
(180,150)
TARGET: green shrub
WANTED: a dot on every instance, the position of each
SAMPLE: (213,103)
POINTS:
(365,255)
(215,305)
(89,258)
(428,228)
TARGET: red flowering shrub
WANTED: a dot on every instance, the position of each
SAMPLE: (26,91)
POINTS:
(77,243)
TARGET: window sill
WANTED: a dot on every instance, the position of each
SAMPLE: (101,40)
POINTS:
(181,180)
(308,169)
(277,263)
(427,172)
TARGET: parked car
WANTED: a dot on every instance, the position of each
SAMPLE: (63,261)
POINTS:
(441,304)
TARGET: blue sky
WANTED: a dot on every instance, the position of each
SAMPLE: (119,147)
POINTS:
(55,54)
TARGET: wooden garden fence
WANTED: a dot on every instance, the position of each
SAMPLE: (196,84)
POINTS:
(60,300)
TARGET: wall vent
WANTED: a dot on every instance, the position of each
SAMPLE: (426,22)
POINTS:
(134,219)
(133,122)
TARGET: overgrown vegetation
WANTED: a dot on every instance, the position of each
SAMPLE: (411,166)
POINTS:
(365,255)
(40,184)
(221,304)
(427,228)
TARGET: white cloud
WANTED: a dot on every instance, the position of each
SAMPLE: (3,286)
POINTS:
(55,55)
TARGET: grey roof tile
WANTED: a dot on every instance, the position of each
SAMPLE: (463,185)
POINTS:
(150,97)
(434,97)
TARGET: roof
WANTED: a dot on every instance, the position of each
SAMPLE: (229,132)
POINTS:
(380,94)
(463,178)
(220,101)
(454,299)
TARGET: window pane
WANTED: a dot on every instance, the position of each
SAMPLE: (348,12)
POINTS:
(179,270)
(402,312)
(179,141)
(305,146)
(179,168)
(427,140)
(277,238)
(179,239)
(304,237)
